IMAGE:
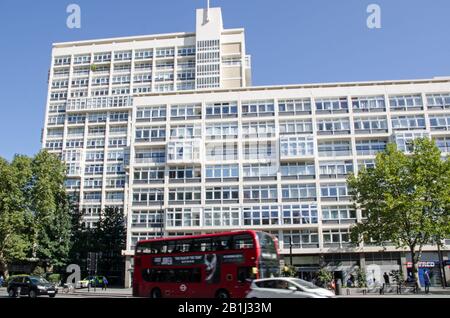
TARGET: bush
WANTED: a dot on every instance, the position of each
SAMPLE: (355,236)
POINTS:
(325,277)
(38,271)
(361,278)
(54,278)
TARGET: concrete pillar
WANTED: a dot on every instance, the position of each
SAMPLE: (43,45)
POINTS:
(128,278)
(403,265)
(362,261)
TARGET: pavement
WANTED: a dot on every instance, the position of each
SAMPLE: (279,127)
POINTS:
(127,293)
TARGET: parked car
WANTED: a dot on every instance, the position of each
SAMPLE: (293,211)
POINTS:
(32,286)
(286,287)
(91,281)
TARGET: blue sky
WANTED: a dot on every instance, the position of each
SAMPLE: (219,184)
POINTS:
(291,41)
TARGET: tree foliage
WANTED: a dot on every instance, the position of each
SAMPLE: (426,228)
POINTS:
(34,214)
(405,198)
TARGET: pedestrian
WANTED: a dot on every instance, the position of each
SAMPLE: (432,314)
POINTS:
(1,280)
(105,283)
(350,281)
(386,279)
(427,280)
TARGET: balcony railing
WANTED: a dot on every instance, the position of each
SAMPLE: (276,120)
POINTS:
(94,103)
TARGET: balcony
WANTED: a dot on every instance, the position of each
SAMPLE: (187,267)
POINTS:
(97,103)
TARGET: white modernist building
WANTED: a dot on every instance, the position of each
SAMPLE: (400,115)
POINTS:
(169,129)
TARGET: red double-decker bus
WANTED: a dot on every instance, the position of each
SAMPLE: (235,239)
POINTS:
(220,265)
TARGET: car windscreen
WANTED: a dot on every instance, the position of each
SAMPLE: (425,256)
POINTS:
(38,280)
(304,283)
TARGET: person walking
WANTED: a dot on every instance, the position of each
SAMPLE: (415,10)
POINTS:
(105,283)
(427,281)
(1,280)
(386,279)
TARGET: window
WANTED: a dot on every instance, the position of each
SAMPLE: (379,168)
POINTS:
(258,108)
(115,182)
(225,109)
(333,126)
(143,54)
(185,174)
(260,171)
(97,130)
(147,219)
(148,175)
(116,168)
(222,131)
(185,131)
(338,191)
(334,237)
(114,117)
(56,120)
(222,172)
(334,148)
(102,57)
(97,81)
(76,119)
(406,102)
(91,210)
(296,127)
(97,117)
(92,196)
(335,169)
(142,78)
(368,104)
(338,214)
(122,55)
(294,192)
(299,214)
(297,146)
(404,140)
(75,132)
(93,183)
(94,156)
(364,125)
(146,197)
(288,107)
(408,122)
(370,147)
(74,143)
(150,134)
(261,215)
(183,151)
(331,105)
(441,101)
(114,196)
(300,239)
(82,59)
(184,195)
(221,216)
(181,112)
(186,51)
(151,113)
(153,155)
(117,142)
(62,60)
(440,122)
(96,143)
(305,170)
(366,163)
(260,150)
(165,52)
(221,152)
(116,155)
(118,130)
(54,145)
(258,130)
(222,194)
(443,144)
(260,193)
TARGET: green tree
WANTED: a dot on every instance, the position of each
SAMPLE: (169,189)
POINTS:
(15,219)
(110,234)
(49,204)
(405,198)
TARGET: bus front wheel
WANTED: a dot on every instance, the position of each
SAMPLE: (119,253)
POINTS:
(156,293)
(222,293)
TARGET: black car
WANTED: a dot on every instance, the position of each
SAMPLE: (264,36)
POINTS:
(32,286)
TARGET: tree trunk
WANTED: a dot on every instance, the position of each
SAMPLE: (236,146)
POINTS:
(414,260)
(4,268)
